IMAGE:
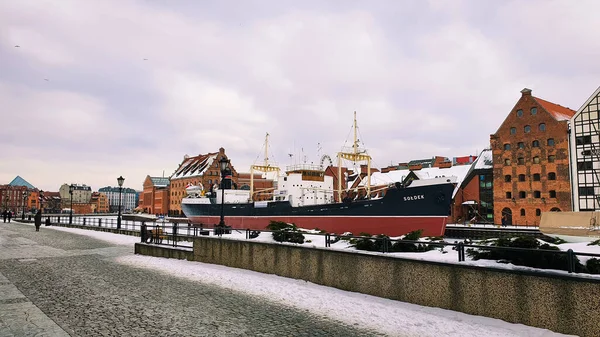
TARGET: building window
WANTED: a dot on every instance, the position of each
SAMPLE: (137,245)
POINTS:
(542,127)
(537,194)
(522,212)
(527,129)
(550,141)
(582,140)
(521,161)
(521,177)
(521,145)
(551,176)
(552,193)
(538,212)
(507,146)
(519,113)
(535,143)
(536,177)
(513,131)
(508,195)
(533,111)
(507,162)
(536,160)
(583,191)
(551,158)
(507,178)
(584,165)
(522,194)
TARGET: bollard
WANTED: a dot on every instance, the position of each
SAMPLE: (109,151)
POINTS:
(570,260)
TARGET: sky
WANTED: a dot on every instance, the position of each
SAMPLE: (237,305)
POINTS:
(401,319)
(97,89)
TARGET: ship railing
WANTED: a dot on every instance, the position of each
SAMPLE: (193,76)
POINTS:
(303,167)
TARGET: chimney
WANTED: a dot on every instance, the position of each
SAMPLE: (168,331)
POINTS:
(526,92)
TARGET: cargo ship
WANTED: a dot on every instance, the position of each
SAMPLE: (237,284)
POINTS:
(305,196)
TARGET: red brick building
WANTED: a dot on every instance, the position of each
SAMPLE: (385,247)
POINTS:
(201,170)
(155,196)
(531,163)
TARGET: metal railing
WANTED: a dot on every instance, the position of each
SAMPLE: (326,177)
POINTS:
(173,234)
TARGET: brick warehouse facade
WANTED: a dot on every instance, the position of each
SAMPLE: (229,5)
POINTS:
(531,163)
(202,170)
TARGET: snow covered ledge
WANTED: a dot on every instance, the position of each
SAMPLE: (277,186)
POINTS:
(559,303)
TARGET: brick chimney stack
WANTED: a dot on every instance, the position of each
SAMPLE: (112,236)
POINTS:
(526,92)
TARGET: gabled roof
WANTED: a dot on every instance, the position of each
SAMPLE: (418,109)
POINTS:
(559,112)
(483,162)
(18,181)
(588,101)
(194,166)
(160,181)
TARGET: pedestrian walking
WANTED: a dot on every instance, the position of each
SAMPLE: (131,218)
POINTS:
(4,215)
(9,216)
(38,220)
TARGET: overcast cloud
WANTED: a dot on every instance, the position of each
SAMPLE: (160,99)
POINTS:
(100,88)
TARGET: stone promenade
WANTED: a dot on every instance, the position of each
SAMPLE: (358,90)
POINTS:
(55,283)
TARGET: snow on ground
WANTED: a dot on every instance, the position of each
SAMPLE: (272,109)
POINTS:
(386,316)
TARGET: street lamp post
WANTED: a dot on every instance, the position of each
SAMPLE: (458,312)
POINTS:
(223,165)
(120,180)
(42,201)
(71,188)
(24,201)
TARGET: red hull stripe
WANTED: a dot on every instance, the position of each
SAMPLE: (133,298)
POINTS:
(389,225)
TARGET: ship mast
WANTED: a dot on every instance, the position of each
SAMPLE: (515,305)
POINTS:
(354,156)
(266,167)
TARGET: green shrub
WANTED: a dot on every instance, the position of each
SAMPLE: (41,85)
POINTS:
(594,243)
(593,266)
(535,259)
(279,225)
(414,235)
(411,247)
(284,232)
(551,239)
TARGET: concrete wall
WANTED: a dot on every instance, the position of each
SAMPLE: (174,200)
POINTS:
(164,251)
(562,304)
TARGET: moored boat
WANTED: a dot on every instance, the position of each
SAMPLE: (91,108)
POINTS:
(305,196)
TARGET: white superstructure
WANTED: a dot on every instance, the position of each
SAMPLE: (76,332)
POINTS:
(304,185)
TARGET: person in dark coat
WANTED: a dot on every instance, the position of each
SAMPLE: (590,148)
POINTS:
(4,215)
(9,215)
(38,220)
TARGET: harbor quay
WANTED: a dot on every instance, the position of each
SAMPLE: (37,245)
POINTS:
(55,283)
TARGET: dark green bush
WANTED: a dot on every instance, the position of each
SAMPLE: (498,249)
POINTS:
(284,232)
(535,259)
(551,239)
(593,266)
(594,243)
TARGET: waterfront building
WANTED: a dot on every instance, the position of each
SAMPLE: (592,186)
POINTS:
(129,198)
(585,155)
(201,170)
(155,196)
(531,161)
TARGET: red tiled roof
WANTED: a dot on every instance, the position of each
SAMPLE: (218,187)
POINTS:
(559,112)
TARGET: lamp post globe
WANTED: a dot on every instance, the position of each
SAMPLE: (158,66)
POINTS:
(223,165)
(71,188)
(120,181)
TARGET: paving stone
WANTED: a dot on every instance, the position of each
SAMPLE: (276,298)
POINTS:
(75,284)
